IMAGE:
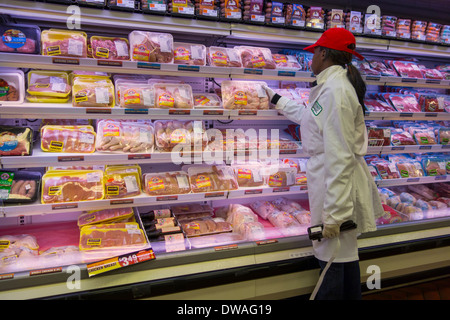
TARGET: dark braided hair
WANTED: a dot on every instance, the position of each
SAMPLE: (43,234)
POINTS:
(344,59)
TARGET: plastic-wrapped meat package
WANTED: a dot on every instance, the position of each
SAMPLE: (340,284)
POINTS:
(254,11)
(249,175)
(431,73)
(287,224)
(136,95)
(288,205)
(107,239)
(315,18)
(388,24)
(128,5)
(173,96)
(122,182)
(424,136)
(110,48)
(295,15)
(166,183)
(205,226)
(435,166)
(238,215)
(151,47)
(104,216)
(48,83)
(231,10)
(64,43)
(15,247)
(122,136)
(410,169)
(283,177)
(189,54)
(365,69)
(404,102)
(69,186)
(171,133)
(12,84)
(386,170)
(20,38)
(408,69)
(430,103)
(206,100)
(256,58)
(252,231)
(208,9)
(433,31)
(244,95)
(335,18)
(403,28)
(286,62)
(211,178)
(444,135)
(68,139)
(93,93)
(379,136)
(223,57)
(399,137)
(418,30)
(382,68)
(16,141)
(263,208)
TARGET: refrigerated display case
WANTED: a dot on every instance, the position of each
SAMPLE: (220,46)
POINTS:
(278,265)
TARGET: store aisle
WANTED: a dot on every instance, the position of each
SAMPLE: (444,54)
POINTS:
(433,290)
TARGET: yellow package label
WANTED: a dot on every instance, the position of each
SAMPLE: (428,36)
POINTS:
(181,54)
(56,146)
(155,183)
(202,100)
(94,242)
(258,62)
(131,96)
(102,52)
(203,182)
(54,51)
(240,98)
(141,53)
(4,244)
(112,190)
(193,225)
(54,191)
(111,130)
(275,180)
(166,100)
(81,96)
(219,58)
(244,174)
(178,136)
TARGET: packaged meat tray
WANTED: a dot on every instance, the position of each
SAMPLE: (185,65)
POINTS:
(206,100)
(295,15)
(171,133)
(93,3)
(399,137)
(16,141)
(136,95)
(49,83)
(154,6)
(18,38)
(403,28)
(282,177)
(110,48)
(19,186)
(93,93)
(407,69)
(254,11)
(16,247)
(382,68)
(418,30)
(435,166)
(249,175)
(12,87)
(286,62)
(65,43)
(286,223)
(205,226)
(223,57)
(166,183)
(151,47)
(315,18)
(123,5)
(404,102)
(379,136)
(244,95)
(68,139)
(173,96)
(123,136)
(386,170)
(410,169)
(107,239)
(70,186)
(256,58)
(104,216)
(211,178)
(189,54)
(238,215)
(263,208)
(184,8)
(374,105)
(192,211)
(122,182)
(424,136)
(444,135)
(231,10)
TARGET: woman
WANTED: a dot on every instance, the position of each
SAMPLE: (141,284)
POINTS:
(334,135)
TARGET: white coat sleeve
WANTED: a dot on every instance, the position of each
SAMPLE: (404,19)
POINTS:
(338,136)
(291,109)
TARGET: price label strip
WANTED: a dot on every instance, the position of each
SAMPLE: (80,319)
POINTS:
(120,262)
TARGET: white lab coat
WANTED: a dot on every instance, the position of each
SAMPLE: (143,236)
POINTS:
(340,186)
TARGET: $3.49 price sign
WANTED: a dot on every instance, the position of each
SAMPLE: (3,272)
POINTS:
(120,262)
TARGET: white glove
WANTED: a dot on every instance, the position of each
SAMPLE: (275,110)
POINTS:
(269,91)
(330,231)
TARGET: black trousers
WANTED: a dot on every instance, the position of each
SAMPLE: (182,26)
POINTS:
(341,282)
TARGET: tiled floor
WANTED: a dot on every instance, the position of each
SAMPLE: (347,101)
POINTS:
(433,290)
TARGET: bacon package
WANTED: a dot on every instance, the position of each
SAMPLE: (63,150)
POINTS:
(256,58)
(64,43)
(244,95)
(68,139)
(173,96)
(151,47)
(110,48)
(189,54)
(166,183)
(223,57)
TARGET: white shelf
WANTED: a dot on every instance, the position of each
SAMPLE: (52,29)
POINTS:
(395,115)
(409,181)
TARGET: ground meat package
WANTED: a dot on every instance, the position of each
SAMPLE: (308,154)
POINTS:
(244,95)
(189,54)
(19,38)
(256,58)
(12,87)
(16,141)
(151,47)
(223,57)
(64,43)
(68,139)
(403,102)
(374,105)
(110,48)
(166,183)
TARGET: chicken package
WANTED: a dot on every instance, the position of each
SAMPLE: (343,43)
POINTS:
(173,96)
(256,58)
(110,48)
(93,93)
(263,208)
(211,178)
(404,102)
(12,87)
(151,46)
(205,226)
(107,239)
(65,43)
(189,54)
(249,175)
(166,183)
(70,186)
(49,83)
(19,38)
(206,100)
(408,69)
(223,57)
(122,183)
(244,95)
(16,141)
(435,166)
(283,177)
(287,224)
(104,216)
(68,139)
(410,169)
(137,95)
(170,133)
(123,136)
(286,62)
(238,215)
(19,186)
(15,247)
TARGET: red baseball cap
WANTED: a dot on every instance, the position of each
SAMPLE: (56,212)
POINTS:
(337,39)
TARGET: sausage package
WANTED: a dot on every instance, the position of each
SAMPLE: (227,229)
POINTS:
(151,47)
(93,93)
(154,6)
(244,95)
(110,48)
(256,58)
(19,186)
(223,57)
(49,83)
(189,54)
(166,183)
(12,87)
(68,139)
(173,96)
(65,43)
(16,141)
(18,38)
